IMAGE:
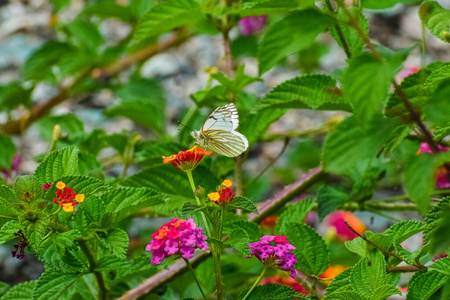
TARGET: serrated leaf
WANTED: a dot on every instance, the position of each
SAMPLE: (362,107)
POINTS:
(345,295)
(59,163)
(358,246)
(8,229)
(383,240)
(441,265)
(52,284)
(272,291)
(280,40)
(424,284)
(294,214)
(384,291)
(136,267)
(7,198)
(435,109)
(165,16)
(349,144)
(107,220)
(349,33)
(27,188)
(256,124)
(151,151)
(330,199)
(244,204)
(80,184)
(368,274)
(116,241)
(340,283)
(405,229)
(436,77)
(312,252)
(434,218)
(239,240)
(57,250)
(21,291)
(419,177)
(381,4)
(269,7)
(85,35)
(89,166)
(367,99)
(110,263)
(318,92)
(252,229)
(35,230)
(435,18)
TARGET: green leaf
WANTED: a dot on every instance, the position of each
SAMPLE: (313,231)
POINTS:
(424,284)
(369,274)
(116,241)
(70,125)
(349,33)
(294,214)
(8,152)
(435,18)
(89,166)
(348,144)
(345,295)
(435,76)
(318,92)
(151,151)
(384,291)
(358,246)
(109,9)
(21,291)
(35,230)
(243,203)
(383,240)
(330,199)
(59,163)
(51,285)
(85,35)
(435,109)
(39,65)
(381,4)
(272,291)
(441,265)
(94,142)
(7,199)
(256,124)
(367,99)
(340,283)
(252,229)
(238,83)
(111,263)
(405,229)
(434,218)
(27,188)
(280,40)
(269,7)
(171,180)
(8,229)
(419,177)
(165,16)
(312,253)
(143,101)
(80,185)
(13,94)
(238,239)
(57,249)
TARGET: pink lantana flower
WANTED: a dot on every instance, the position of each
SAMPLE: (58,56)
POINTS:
(441,174)
(275,251)
(288,281)
(252,24)
(337,220)
(176,237)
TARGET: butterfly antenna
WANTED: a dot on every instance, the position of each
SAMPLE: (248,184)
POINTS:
(185,126)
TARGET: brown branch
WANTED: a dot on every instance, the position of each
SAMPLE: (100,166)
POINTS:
(401,269)
(42,109)
(271,206)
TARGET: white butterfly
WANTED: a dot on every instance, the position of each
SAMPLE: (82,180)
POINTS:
(218,132)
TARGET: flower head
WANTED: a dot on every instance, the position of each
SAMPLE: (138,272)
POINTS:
(252,24)
(186,160)
(275,251)
(176,237)
(66,197)
(288,281)
(47,186)
(442,181)
(337,220)
(333,271)
(23,242)
(223,195)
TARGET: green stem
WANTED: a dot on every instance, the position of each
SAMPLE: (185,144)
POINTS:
(401,197)
(218,273)
(98,276)
(195,277)
(8,217)
(222,213)
(256,283)
(191,181)
(56,211)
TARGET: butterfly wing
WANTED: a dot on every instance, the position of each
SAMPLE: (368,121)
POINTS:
(227,143)
(222,118)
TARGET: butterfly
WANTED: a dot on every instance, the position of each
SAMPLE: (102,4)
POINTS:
(218,132)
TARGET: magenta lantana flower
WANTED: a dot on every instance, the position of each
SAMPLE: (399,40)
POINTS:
(252,24)
(442,181)
(176,237)
(275,251)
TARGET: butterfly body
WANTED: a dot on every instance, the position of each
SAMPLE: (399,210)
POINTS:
(218,132)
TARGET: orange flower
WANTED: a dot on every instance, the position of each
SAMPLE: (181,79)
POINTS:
(269,221)
(227,183)
(67,207)
(79,198)
(186,160)
(332,272)
(214,196)
(60,185)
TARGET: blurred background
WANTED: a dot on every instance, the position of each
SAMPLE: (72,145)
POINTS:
(105,88)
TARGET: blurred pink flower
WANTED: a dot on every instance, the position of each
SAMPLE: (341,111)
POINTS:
(408,71)
(337,220)
(288,281)
(442,181)
(252,24)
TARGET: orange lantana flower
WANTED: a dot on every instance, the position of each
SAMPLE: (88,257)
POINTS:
(186,160)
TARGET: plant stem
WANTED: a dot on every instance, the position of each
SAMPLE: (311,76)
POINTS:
(195,277)
(401,197)
(339,31)
(98,275)
(191,181)
(256,283)
(218,273)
